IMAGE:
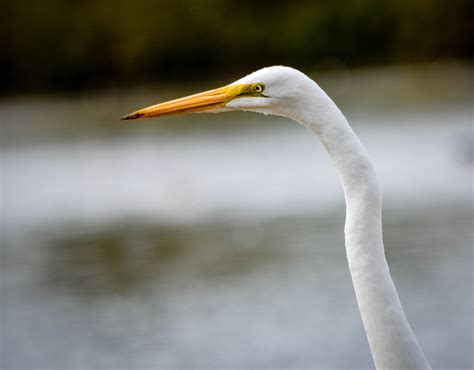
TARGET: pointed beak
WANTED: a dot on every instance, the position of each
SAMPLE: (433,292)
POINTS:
(201,102)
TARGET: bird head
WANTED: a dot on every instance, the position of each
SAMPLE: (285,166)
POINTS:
(271,90)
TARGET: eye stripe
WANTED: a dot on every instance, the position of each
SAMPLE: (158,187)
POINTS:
(254,89)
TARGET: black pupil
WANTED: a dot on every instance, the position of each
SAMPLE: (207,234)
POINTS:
(258,88)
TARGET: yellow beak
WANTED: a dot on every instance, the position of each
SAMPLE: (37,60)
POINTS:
(204,101)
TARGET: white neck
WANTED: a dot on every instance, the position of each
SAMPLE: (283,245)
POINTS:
(391,339)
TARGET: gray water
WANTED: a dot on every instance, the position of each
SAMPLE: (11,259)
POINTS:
(217,241)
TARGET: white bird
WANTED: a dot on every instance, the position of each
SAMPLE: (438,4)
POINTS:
(287,92)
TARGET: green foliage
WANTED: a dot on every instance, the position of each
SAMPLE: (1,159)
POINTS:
(58,44)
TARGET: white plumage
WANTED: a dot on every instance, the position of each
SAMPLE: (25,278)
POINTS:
(290,93)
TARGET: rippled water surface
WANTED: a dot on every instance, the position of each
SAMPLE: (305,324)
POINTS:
(217,241)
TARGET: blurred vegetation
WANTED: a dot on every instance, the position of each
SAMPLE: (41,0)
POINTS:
(66,45)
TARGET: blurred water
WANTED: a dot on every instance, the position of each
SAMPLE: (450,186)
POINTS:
(217,241)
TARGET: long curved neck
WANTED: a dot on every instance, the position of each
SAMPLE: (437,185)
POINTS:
(391,339)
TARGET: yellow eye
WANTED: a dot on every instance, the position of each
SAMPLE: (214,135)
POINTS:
(258,88)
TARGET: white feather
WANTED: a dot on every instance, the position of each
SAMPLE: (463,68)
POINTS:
(292,94)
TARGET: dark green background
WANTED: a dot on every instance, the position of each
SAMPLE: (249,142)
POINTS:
(66,45)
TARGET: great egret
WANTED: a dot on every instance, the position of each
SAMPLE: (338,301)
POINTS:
(287,92)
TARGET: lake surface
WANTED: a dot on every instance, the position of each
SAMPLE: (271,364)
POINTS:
(216,241)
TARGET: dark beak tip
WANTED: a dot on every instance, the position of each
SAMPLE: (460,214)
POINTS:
(131,116)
